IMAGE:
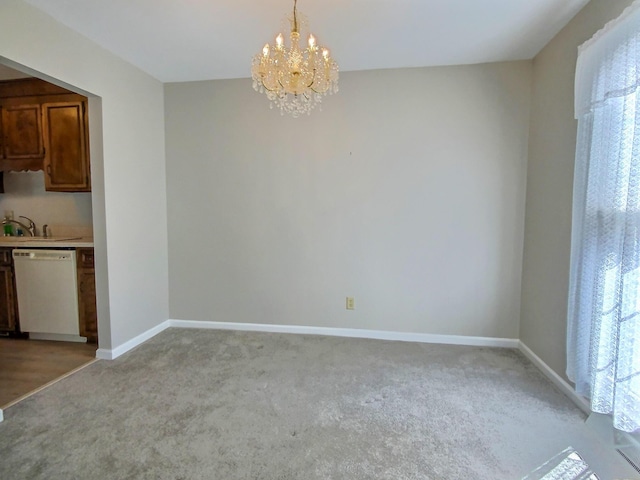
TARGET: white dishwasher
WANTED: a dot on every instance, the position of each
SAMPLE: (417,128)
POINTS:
(47,288)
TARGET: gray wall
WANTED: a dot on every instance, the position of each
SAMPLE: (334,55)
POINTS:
(127,164)
(550,185)
(406,192)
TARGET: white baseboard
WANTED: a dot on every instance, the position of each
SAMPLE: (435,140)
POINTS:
(353,333)
(556,379)
(112,354)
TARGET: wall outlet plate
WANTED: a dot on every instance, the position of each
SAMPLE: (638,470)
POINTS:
(351,303)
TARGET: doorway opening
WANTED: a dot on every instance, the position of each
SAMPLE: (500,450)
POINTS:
(56,199)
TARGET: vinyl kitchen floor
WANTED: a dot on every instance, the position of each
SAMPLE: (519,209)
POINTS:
(27,365)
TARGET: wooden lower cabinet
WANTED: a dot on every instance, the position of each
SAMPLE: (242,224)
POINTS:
(87,310)
(8,300)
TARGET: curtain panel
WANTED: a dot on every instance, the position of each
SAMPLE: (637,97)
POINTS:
(603,341)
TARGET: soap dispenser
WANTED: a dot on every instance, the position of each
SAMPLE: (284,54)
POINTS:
(7,227)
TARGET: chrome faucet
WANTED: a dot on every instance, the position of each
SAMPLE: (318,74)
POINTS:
(31,228)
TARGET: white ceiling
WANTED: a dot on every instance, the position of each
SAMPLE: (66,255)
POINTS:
(185,40)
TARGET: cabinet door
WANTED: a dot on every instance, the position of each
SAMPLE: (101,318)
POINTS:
(1,135)
(5,257)
(7,300)
(87,294)
(22,137)
(87,305)
(66,160)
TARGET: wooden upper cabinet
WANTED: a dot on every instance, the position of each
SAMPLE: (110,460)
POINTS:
(22,137)
(45,127)
(66,160)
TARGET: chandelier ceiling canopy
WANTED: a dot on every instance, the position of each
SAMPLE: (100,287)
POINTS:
(295,78)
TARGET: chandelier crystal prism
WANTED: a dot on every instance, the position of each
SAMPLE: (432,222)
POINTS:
(294,78)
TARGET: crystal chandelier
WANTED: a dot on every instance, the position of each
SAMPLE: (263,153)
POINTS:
(295,79)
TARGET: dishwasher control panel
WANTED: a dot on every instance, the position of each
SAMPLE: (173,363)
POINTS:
(42,254)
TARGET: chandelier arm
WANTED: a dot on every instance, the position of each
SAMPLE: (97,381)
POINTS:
(267,88)
(310,87)
(313,80)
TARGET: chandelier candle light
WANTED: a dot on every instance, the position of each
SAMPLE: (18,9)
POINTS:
(295,79)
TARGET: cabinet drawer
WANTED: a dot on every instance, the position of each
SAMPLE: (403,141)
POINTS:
(85,257)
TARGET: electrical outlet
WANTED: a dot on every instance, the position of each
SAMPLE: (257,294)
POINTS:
(351,303)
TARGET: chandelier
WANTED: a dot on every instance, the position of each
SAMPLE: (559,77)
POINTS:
(295,79)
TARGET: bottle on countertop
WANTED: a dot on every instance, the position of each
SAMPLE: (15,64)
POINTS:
(8,227)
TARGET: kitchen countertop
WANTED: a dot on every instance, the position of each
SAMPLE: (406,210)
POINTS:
(51,242)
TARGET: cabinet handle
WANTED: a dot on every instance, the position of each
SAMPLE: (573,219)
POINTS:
(49,170)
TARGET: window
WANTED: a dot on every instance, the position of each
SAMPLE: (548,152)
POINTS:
(604,293)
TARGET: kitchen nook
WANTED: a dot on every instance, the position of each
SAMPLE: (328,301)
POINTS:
(48,315)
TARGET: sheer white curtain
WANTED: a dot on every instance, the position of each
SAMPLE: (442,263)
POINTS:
(603,342)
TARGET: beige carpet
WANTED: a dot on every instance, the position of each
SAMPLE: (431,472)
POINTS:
(196,404)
